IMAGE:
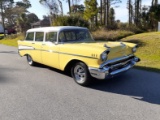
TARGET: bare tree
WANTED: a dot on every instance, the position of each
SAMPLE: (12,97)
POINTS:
(101,10)
(52,5)
(61,7)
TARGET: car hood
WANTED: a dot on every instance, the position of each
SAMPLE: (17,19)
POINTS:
(117,49)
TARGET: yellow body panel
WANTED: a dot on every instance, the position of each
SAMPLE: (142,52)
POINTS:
(25,47)
(59,55)
(50,55)
(54,52)
(36,53)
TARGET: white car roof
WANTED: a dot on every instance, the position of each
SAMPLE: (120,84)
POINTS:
(57,28)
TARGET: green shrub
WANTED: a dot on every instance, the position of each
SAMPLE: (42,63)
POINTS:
(11,40)
(70,21)
(1,36)
(14,36)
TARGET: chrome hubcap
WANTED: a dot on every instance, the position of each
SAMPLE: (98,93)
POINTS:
(29,59)
(79,74)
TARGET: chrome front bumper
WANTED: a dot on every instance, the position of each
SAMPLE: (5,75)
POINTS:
(113,67)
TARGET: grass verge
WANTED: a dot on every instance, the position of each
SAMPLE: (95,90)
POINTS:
(11,40)
(148,51)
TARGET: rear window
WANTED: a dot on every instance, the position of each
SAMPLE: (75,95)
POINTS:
(30,36)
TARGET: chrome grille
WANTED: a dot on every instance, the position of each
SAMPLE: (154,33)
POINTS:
(119,65)
(118,61)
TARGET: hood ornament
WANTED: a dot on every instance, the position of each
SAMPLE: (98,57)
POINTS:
(105,45)
(123,44)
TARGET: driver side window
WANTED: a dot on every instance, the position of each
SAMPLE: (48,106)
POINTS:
(51,37)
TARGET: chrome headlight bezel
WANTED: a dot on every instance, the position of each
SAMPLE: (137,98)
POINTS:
(104,56)
(134,49)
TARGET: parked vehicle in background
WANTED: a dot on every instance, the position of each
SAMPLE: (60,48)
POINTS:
(1,29)
(10,31)
(73,49)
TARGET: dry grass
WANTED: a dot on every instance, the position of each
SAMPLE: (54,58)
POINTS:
(110,35)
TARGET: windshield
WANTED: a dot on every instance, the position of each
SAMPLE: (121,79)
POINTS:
(75,35)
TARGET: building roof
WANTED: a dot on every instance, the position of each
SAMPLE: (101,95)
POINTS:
(36,23)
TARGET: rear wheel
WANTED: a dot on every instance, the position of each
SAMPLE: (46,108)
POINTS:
(81,74)
(30,60)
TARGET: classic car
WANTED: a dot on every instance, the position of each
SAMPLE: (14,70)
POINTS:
(72,49)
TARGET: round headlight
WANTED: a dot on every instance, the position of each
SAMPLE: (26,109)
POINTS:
(104,56)
(134,49)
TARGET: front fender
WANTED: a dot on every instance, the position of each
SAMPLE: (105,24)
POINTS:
(67,58)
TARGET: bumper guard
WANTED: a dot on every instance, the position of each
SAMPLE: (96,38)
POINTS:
(108,71)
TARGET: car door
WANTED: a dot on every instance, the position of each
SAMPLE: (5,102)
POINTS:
(39,37)
(50,50)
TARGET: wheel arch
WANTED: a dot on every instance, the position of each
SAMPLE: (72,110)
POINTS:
(71,63)
(26,54)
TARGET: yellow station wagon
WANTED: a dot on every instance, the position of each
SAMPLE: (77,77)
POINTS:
(73,49)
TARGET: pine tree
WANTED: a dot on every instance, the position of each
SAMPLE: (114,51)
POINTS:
(137,12)
(91,10)
(130,11)
(112,17)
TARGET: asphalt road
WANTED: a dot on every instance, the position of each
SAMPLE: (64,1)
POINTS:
(42,93)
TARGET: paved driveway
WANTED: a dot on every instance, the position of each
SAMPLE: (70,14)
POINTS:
(42,93)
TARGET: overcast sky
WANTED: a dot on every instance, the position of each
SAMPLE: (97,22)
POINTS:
(121,11)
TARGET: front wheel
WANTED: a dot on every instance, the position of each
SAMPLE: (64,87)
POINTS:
(30,60)
(81,74)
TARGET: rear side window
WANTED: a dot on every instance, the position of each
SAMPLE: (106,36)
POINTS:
(39,36)
(30,36)
(61,37)
(51,37)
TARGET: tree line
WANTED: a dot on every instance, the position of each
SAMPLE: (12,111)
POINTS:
(93,14)
(15,14)
(141,16)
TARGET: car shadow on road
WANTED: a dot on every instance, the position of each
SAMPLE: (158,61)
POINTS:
(2,79)
(50,68)
(8,52)
(5,76)
(136,84)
